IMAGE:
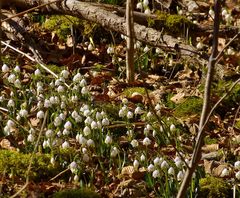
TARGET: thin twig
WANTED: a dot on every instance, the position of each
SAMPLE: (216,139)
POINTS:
(59,174)
(30,10)
(32,156)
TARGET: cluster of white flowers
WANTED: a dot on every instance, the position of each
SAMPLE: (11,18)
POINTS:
(144,6)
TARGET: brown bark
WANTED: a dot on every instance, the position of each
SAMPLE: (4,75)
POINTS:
(106,18)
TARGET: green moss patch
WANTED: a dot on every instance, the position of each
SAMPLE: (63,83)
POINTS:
(76,193)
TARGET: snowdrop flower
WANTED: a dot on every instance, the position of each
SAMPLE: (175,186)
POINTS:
(65,145)
(60,89)
(78,119)
(11,103)
(154,133)
(130,133)
(157,107)
(83,83)
(73,167)
(65,74)
(172,128)
(90,143)
(151,168)
(62,116)
(180,176)
(86,112)
(129,115)
(86,131)
(23,113)
(105,122)
(88,120)
(90,47)
(108,139)
(149,115)
(225,172)
(82,140)
(86,158)
(47,103)
(171,171)
(124,101)
(37,72)
(74,114)
(237,164)
(110,50)
(199,45)
(68,125)
(45,144)
(98,116)
(146,49)
(147,11)
(114,152)
(157,161)
(228,18)
(49,133)
(12,78)
(156,174)
(137,45)
(52,161)
(135,164)
(57,121)
(94,125)
(84,150)
(66,132)
(84,90)
(17,69)
(179,163)
(237,175)
(138,111)
(224,12)
(5,68)
(7,130)
(230,51)
(164,165)
(139,6)
(76,178)
(17,83)
(142,158)
(145,3)
(99,123)
(77,77)
(211,13)
(134,143)
(146,141)
(10,124)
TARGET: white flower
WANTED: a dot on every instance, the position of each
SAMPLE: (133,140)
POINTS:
(230,51)
(12,78)
(84,90)
(151,168)
(73,166)
(130,133)
(30,138)
(156,174)
(82,140)
(65,145)
(60,89)
(7,130)
(47,103)
(90,47)
(139,6)
(199,45)
(5,68)
(11,103)
(84,150)
(179,163)
(134,143)
(65,74)
(180,176)
(49,133)
(10,124)
(23,113)
(90,143)
(157,161)
(172,128)
(88,120)
(86,158)
(121,113)
(164,165)
(94,125)
(147,11)
(78,119)
(146,49)
(105,122)
(110,50)
(108,139)
(74,114)
(45,144)
(237,175)
(62,116)
(225,172)
(135,164)
(57,121)
(86,131)
(137,45)
(98,116)
(83,83)
(65,132)
(142,158)
(124,101)
(171,171)
(129,115)
(37,72)
(114,152)
(154,133)
(224,12)
(228,18)
(68,125)
(158,50)
(52,161)
(145,3)
(146,141)
(76,178)
(138,111)
(17,69)
(17,83)
(211,13)
(237,164)
(77,77)
(149,115)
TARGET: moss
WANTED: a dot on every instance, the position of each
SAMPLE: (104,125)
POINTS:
(15,163)
(213,187)
(191,106)
(237,124)
(129,91)
(76,193)
(208,140)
